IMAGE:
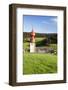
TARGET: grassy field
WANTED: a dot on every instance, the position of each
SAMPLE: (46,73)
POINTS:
(39,63)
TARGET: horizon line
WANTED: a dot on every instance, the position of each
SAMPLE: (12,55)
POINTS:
(44,33)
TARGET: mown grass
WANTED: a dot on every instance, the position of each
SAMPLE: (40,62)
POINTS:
(35,63)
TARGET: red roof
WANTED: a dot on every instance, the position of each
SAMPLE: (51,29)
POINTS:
(33,33)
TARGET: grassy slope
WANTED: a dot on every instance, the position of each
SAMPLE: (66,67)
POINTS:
(39,63)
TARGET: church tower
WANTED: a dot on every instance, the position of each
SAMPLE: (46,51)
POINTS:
(32,36)
(32,41)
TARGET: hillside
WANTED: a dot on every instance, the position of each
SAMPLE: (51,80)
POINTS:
(51,36)
(27,34)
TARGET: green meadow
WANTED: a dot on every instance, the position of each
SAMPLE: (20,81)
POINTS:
(39,63)
(36,63)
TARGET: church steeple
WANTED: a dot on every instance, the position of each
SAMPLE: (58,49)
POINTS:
(32,38)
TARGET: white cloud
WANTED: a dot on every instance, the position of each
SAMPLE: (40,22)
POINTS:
(54,19)
(45,22)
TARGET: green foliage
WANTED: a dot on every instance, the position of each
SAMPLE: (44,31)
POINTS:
(51,36)
(26,45)
(39,63)
(42,42)
(54,46)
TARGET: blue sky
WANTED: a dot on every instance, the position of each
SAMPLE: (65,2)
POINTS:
(40,24)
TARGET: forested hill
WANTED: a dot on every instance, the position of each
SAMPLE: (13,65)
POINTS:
(27,34)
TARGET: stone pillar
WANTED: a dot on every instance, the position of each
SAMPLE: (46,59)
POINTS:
(32,42)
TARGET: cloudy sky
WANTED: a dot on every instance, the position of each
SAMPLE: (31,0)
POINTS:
(40,24)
